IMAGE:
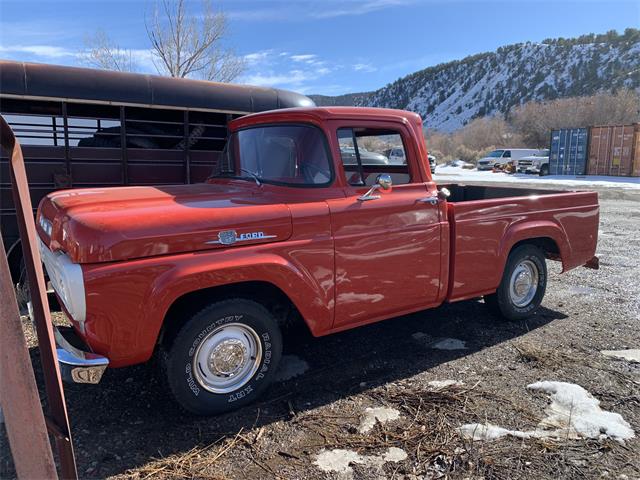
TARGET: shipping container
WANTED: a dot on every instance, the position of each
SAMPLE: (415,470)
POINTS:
(636,157)
(614,150)
(568,151)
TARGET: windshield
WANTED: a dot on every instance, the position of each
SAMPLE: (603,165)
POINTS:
(495,154)
(293,155)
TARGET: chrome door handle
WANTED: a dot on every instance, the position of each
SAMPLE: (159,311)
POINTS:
(429,200)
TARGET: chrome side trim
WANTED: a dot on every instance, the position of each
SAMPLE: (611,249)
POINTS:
(229,237)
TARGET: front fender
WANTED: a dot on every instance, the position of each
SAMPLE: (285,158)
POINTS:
(126,331)
(306,294)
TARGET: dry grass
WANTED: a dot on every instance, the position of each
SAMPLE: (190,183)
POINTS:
(436,450)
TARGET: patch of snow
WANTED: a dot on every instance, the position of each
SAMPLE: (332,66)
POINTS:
(340,461)
(573,413)
(457,174)
(381,414)
(439,343)
(290,366)
(487,432)
(337,460)
(395,454)
(632,355)
(442,384)
(449,344)
(572,407)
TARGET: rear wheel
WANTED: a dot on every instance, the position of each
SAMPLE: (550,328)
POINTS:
(523,284)
(223,357)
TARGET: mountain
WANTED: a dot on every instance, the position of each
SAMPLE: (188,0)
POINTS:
(449,95)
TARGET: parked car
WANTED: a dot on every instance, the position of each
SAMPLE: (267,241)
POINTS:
(536,163)
(204,275)
(396,156)
(348,155)
(501,156)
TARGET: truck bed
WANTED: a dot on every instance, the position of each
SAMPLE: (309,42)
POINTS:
(486,222)
(466,193)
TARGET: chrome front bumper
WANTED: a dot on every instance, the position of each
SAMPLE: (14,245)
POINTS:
(77,366)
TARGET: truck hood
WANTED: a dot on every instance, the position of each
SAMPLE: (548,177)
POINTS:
(111,224)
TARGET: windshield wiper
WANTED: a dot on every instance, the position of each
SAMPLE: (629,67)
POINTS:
(253,175)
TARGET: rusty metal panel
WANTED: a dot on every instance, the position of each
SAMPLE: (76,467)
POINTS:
(19,399)
(58,419)
(612,150)
(636,152)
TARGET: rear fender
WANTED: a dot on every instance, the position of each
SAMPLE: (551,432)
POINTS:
(533,230)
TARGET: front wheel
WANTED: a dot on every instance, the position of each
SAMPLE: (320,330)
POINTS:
(223,357)
(544,170)
(523,284)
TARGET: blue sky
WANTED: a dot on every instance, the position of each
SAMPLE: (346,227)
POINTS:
(317,46)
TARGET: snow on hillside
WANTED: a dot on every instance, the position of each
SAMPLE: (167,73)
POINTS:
(449,95)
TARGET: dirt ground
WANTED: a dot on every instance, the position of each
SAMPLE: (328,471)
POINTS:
(127,427)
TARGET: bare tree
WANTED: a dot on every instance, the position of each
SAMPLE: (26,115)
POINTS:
(101,52)
(183,44)
(535,120)
(191,45)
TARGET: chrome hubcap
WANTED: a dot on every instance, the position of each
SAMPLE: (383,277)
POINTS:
(227,358)
(524,283)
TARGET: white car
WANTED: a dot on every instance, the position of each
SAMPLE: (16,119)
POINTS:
(504,155)
(538,163)
(396,156)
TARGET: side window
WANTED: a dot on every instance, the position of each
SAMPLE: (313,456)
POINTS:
(507,154)
(368,152)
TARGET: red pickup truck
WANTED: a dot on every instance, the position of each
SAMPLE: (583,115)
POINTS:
(302,220)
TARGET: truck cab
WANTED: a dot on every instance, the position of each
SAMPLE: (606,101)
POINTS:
(303,219)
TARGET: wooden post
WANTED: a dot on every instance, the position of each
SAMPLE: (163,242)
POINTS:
(19,397)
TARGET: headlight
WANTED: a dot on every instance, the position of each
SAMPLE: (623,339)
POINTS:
(68,282)
(46,226)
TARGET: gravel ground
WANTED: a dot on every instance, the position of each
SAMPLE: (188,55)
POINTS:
(311,426)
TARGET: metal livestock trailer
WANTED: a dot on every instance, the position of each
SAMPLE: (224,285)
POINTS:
(82,127)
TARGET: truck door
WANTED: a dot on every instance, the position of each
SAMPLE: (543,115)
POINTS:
(387,249)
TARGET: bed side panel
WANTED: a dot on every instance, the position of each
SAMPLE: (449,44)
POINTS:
(486,230)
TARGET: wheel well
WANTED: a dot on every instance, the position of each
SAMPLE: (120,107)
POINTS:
(546,244)
(265,293)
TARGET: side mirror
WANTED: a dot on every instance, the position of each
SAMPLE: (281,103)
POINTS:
(384,181)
